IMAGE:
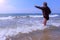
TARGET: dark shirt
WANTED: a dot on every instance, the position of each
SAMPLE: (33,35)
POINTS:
(46,11)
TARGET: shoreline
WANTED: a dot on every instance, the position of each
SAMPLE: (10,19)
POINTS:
(52,33)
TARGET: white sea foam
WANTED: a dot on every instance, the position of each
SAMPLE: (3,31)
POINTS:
(26,26)
(5,18)
(25,29)
(42,15)
(11,32)
(54,15)
(36,15)
(33,16)
(56,24)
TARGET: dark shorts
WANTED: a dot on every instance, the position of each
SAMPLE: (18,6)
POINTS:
(46,17)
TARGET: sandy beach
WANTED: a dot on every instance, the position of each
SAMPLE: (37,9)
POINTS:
(51,33)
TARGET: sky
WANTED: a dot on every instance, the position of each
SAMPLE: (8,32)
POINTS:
(27,6)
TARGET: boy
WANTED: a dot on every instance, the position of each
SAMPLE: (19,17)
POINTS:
(46,11)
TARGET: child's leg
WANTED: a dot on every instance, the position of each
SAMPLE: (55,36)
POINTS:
(45,21)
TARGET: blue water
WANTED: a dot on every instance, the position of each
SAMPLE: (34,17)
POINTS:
(11,24)
(27,19)
(24,14)
(19,19)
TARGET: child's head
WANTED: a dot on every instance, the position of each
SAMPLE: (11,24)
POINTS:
(45,3)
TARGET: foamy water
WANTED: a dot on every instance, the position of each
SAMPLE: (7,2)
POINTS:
(5,18)
(11,32)
(42,15)
(10,17)
(23,24)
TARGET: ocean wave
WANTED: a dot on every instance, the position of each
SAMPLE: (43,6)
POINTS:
(13,31)
(56,24)
(27,16)
(34,16)
(54,15)
(5,18)
(42,15)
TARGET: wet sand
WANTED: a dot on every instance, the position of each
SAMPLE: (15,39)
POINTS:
(52,33)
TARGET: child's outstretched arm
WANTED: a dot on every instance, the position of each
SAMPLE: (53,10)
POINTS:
(38,7)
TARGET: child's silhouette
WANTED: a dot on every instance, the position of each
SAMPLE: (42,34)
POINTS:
(46,11)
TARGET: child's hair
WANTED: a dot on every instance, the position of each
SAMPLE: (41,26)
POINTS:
(45,3)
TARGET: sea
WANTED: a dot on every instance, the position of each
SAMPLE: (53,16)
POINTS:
(12,24)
